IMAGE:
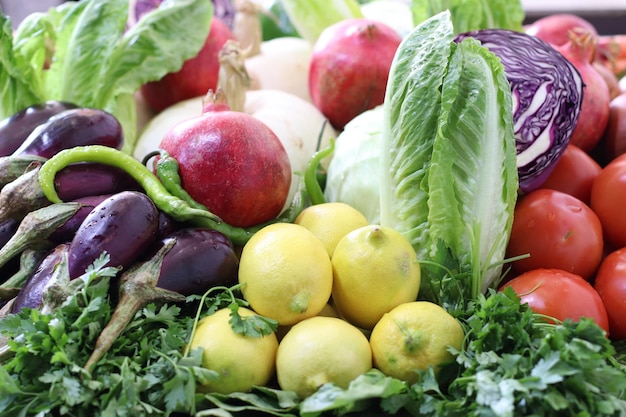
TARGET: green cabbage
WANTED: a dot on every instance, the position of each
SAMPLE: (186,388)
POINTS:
(448,166)
(354,170)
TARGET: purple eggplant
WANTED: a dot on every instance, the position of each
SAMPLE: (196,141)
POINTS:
(124,225)
(70,128)
(200,259)
(15,129)
(66,232)
(8,227)
(31,294)
(92,178)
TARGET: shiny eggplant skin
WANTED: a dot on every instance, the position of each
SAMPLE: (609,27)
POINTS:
(30,296)
(7,230)
(66,232)
(124,225)
(200,259)
(70,128)
(92,178)
(15,129)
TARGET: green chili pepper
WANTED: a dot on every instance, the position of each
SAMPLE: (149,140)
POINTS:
(175,207)
(166,169)
(172,205)
(316,195)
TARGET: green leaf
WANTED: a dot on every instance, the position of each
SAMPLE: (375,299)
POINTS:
(450,176)
(470,15)
(95,60)
(310,18)
(252,326)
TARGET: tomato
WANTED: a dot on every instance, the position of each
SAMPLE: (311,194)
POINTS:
(558,231)
(560,295)
(574,174)
(608,199)
(610,284)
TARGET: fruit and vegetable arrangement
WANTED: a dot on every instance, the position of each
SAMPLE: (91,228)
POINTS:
(297,208)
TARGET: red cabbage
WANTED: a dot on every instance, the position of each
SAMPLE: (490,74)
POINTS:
(547,97)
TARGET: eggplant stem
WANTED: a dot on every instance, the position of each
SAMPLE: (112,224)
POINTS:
(35,228)
(137,289)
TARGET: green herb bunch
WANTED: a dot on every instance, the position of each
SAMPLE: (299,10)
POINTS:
(144,373)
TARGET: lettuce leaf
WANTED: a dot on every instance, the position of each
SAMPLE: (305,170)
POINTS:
(472,14)
(83,52)
(449,176)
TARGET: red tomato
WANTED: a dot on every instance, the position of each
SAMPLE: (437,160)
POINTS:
(558,231)
(608,199)
(610,284)
(560,295)
(574,174)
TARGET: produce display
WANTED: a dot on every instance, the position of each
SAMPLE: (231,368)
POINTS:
(311,208)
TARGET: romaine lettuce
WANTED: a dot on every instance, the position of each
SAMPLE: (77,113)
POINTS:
(472,14)
(448,165)
(83,52)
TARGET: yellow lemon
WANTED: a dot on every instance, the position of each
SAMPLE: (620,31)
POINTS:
(375,268)
(330,222)
(240,361)
(321,350)
(285,273)
(414,336)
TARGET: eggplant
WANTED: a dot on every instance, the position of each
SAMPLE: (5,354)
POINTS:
(91,179)
(15,129)
(8,227)
(70,128)
(31,294)
(124,225)
(200,259)
(66,232)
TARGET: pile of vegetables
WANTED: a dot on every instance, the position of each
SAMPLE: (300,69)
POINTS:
(95,238)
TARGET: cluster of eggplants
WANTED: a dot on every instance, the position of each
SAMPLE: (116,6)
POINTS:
(113,214)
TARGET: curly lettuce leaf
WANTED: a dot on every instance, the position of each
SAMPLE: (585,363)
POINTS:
(472,14)
(449,173)
(83,52)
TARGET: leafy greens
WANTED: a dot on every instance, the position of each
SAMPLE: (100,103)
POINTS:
(449,175)
(84,53)
(472,14)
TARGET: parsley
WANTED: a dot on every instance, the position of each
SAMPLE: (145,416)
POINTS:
(515,364)
(144,372)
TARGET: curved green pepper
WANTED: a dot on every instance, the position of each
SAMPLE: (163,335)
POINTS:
(172,205)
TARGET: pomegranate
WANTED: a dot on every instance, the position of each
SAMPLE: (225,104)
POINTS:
(231,162)
(197,75)
(554,28)
(594,114)
(349,68)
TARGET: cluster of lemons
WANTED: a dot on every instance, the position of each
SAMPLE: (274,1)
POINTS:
(344,294)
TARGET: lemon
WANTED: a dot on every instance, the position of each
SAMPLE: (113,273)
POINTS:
(330,222)
(375,269)
(285,273)
(321,350)
(240,361)
(414,336)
